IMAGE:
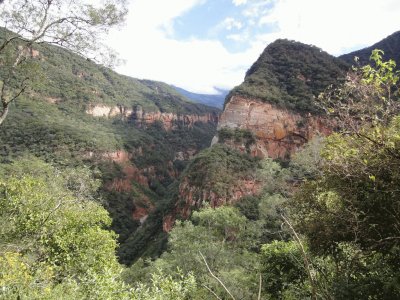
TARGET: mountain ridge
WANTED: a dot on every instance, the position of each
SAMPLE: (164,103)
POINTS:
(390,46)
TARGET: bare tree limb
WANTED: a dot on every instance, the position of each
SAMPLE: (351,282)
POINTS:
(259,288)
(215,277)
(212,292)
(305,258)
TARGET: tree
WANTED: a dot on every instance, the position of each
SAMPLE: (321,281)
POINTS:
(368,97)
(53,238)
(218,236)
(77,25)
(349,211)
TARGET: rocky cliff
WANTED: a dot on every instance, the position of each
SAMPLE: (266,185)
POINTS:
(276,101)
(271,114)
(278,132)
(142,118)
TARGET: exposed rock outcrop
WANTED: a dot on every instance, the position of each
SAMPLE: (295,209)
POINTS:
(142,118)
(101,110)
(278,132)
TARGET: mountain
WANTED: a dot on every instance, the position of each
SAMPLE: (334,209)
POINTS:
(390,45)
(137,134)
(270,115)
(290,75)
(276,100)
(207,99)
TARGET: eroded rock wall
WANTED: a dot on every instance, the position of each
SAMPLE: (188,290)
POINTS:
(143,118)
(278,132)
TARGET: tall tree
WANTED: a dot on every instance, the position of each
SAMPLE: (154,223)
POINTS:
(77,25)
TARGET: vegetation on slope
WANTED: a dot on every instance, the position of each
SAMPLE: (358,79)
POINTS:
(325,227)
(50,122)
(218,168)
(291,75)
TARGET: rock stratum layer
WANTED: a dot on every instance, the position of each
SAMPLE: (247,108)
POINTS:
(143,118)
(278,132)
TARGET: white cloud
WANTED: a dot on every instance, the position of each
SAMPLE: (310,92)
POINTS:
(199,65)
(236,37)
(334,26)
(149,52)
(231,23)
(239,2)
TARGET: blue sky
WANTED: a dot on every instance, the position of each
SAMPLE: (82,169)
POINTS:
(202,44)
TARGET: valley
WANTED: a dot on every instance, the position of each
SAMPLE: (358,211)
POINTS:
(270,193)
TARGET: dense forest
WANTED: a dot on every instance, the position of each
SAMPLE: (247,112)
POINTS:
(85,199)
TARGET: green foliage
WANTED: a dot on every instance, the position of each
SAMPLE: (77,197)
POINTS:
(166,287)
(305,164)
(368,98)
(271,208)
(383,74)
(248,206)
(357,192)
(283,270)
(54,235)
(51,122)
(356,274)
(348,211)
(236,135)
(219,167)
(273,176)
(290,75)
(222,236)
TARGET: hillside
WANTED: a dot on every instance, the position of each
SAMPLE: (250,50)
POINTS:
(290,74)
(390,45)
(137,134)
(270,115)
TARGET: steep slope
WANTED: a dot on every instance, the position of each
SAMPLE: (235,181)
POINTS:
(271,114)
(276,100)
(138,134)
(390,45)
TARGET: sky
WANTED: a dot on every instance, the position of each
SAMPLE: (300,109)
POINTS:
(201,45)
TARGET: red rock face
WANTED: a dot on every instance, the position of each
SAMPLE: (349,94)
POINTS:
(142,210)
(168,223)
(119,156)
(279,132)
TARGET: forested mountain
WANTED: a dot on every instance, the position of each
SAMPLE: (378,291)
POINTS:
(389,45)
(138,134)
(290,75)
(274,195)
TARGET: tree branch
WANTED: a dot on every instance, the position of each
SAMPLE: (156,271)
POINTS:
(305,258)
(216,278)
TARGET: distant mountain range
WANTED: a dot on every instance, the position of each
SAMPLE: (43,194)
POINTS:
(206,99)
